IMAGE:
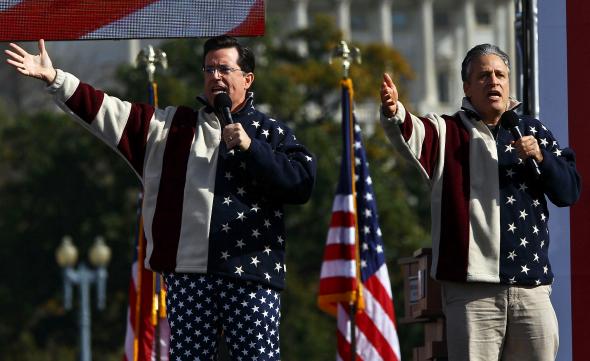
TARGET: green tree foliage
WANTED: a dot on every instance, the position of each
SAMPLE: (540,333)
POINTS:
(55,179)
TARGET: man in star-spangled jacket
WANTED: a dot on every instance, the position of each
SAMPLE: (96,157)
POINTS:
(213,197)
(489,212)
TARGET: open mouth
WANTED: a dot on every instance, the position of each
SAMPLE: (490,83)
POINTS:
(218,89)
(494,95)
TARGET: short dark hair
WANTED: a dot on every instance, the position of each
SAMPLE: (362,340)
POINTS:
(245,56)
(481,50)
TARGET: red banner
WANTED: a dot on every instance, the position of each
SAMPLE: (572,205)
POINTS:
(24,20)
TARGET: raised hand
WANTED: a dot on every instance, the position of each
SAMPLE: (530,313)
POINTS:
(389,96)
(36,66)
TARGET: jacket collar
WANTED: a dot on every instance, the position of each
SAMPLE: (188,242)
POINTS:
(249,103)
(472,114)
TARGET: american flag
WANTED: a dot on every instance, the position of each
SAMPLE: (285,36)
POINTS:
(145,340)
(354,248)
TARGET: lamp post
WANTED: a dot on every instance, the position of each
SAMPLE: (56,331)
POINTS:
(66,256)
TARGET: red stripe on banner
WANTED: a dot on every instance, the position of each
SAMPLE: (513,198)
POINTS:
(578,58)
(339,251)
(252,24)
(344,348)
(374,336)
(342,219)
(337,285)
(374,286)
(145,334)
(63,19)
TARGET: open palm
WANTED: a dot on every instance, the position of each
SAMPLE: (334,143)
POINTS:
(37,66)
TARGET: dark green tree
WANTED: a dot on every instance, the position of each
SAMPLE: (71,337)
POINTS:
(55,179)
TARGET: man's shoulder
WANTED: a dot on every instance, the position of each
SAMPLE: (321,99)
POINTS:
(533,126)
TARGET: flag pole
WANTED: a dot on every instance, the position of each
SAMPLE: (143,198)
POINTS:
(348,56)
(150,58)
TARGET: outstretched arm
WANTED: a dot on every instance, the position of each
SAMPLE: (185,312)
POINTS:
(418,139)
(36,66)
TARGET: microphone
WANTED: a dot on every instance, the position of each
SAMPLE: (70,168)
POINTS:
(222,103)
(509,120)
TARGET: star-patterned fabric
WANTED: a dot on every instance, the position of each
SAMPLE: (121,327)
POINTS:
(203,307)
(247,238)
(524,214)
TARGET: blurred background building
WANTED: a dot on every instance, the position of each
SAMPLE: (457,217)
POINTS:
(433,35)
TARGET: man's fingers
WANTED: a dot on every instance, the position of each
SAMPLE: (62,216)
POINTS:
(18,49)
(387,79)
(41,46)
(16,64)
(14,55)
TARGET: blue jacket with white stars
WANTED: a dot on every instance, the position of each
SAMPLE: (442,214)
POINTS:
(489,213)
(247,237)
(205,209)
(523,208)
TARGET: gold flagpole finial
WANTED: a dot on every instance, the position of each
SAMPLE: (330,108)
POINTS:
(348,56)
(150,58)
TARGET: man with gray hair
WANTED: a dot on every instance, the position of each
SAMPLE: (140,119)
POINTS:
(489,212)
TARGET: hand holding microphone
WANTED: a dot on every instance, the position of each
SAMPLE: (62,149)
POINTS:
(233,133)
(526,146)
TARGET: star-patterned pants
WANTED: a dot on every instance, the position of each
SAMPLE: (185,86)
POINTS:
(202,306)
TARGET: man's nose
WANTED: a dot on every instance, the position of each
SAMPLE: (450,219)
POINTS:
(494,79)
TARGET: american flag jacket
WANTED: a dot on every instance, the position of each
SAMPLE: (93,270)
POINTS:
(489,213)
(206,209)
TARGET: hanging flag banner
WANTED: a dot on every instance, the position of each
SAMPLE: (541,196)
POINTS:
(30,20)
(354,273)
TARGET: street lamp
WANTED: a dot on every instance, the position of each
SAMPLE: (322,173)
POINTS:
(66,256)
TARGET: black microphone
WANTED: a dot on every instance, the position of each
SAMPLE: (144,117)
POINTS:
(509,120)
(223,105)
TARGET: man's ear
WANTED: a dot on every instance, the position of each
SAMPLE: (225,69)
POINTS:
(466,88)
(249,80)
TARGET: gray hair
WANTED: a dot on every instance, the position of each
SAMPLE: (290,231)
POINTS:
(481,50)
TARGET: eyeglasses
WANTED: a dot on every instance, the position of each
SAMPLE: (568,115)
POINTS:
(221,69)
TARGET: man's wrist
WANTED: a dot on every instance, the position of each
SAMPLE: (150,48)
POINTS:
(51,76)
(388,112)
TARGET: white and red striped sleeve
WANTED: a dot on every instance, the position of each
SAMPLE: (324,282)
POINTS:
(120,124)
(418,138)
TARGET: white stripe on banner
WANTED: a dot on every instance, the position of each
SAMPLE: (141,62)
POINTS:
(369,352)
(338,269)
(343,203)
(341,235)
(383,277)
(381,319)
(553,101)
(187,17)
